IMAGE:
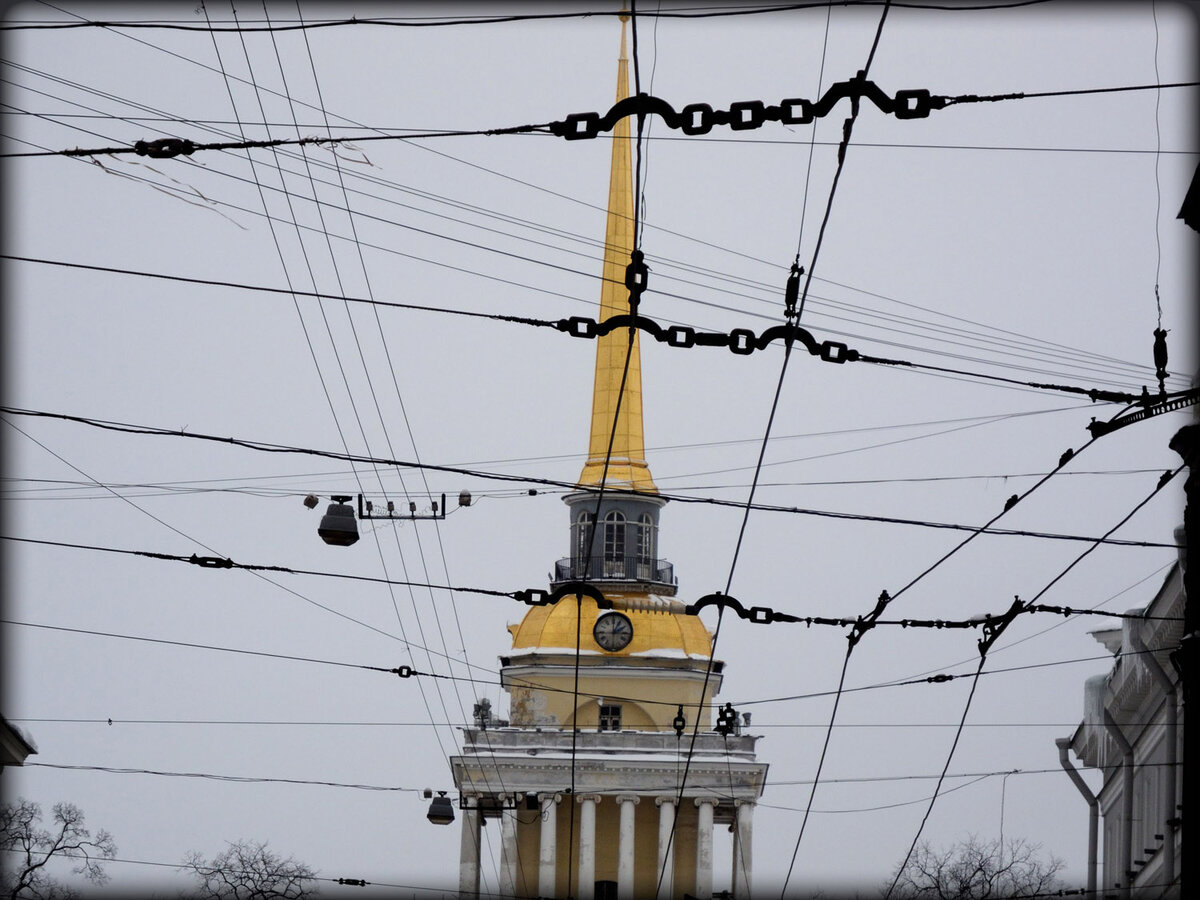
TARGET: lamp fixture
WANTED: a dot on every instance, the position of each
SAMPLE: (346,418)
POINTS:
(338,527)
(441,810)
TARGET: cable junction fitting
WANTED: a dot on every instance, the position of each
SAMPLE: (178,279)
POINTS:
(867,622)
(994,627)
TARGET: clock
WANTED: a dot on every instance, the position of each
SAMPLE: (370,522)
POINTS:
(613,632)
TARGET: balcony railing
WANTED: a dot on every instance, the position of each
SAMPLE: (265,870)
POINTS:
(629,569)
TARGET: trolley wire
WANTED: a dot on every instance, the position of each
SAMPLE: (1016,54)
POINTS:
(266,447)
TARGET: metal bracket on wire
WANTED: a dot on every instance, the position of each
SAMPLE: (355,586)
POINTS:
(699,118)
(537,597)
(741,341)
(1150,407)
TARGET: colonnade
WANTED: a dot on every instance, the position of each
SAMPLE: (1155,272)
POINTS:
(547,873)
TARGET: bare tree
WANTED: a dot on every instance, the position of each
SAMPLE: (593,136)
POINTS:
(248,870)
(27,850)
(975,869)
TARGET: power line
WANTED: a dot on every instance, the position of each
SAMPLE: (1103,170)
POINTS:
(266,447)
(443,21)
(401,671)
(940,678)
(667,294)
(240,779)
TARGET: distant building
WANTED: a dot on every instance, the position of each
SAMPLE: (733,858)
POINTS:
(587,779)
(1133,732)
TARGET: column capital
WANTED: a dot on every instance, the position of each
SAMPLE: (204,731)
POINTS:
(745,803)
(580,798)
(542,798)
(711,801)
(629,798)
(662,799)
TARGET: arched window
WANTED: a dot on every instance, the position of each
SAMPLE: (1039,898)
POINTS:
(614,543)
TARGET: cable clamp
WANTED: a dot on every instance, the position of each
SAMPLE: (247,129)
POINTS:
(915,104)
(681,336)
(578,326)
(939,679)
(211,562)
(834,352)
(403,672)
(746,114)
(164,148)
(795,111)
(578,126)
(741,341)
(696,118)
(532,597)
(352,882)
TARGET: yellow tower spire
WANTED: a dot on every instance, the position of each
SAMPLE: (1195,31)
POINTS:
(627,466)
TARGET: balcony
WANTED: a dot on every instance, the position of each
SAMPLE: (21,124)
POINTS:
(657,575)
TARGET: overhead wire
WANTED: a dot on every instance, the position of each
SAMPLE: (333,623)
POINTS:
(596,525)
(350,215)
(847,131)
(566,326)
(694,300)
(491,171)
(407,671)
(983,651)
(200,543)
(699,12)
(575,238)
(524,479)
(299,314)
(213,562)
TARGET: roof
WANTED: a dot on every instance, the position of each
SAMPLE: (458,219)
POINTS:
(15,745)
(655,633)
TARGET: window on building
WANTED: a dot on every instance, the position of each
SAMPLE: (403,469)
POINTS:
(645,546)
(610,718)
(583,542)
(614,543)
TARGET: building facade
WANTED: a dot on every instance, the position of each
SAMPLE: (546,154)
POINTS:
(608,777)
(1133,733)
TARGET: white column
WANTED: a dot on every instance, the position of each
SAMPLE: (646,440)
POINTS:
(665,876)
(586,888)
(508,852)
(468,858)
(704,847)
(743,830)
(625,847)
(548,847)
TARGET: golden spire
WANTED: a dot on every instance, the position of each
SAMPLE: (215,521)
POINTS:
(627,465)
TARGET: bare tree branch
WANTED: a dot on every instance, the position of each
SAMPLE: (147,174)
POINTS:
(978,870)
(35,848)
(249,870)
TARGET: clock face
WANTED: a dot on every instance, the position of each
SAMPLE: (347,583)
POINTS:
(613,632)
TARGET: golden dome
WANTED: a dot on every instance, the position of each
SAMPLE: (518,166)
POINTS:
(655,632)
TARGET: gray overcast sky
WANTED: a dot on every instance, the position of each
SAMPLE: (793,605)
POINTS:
(1020,238)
